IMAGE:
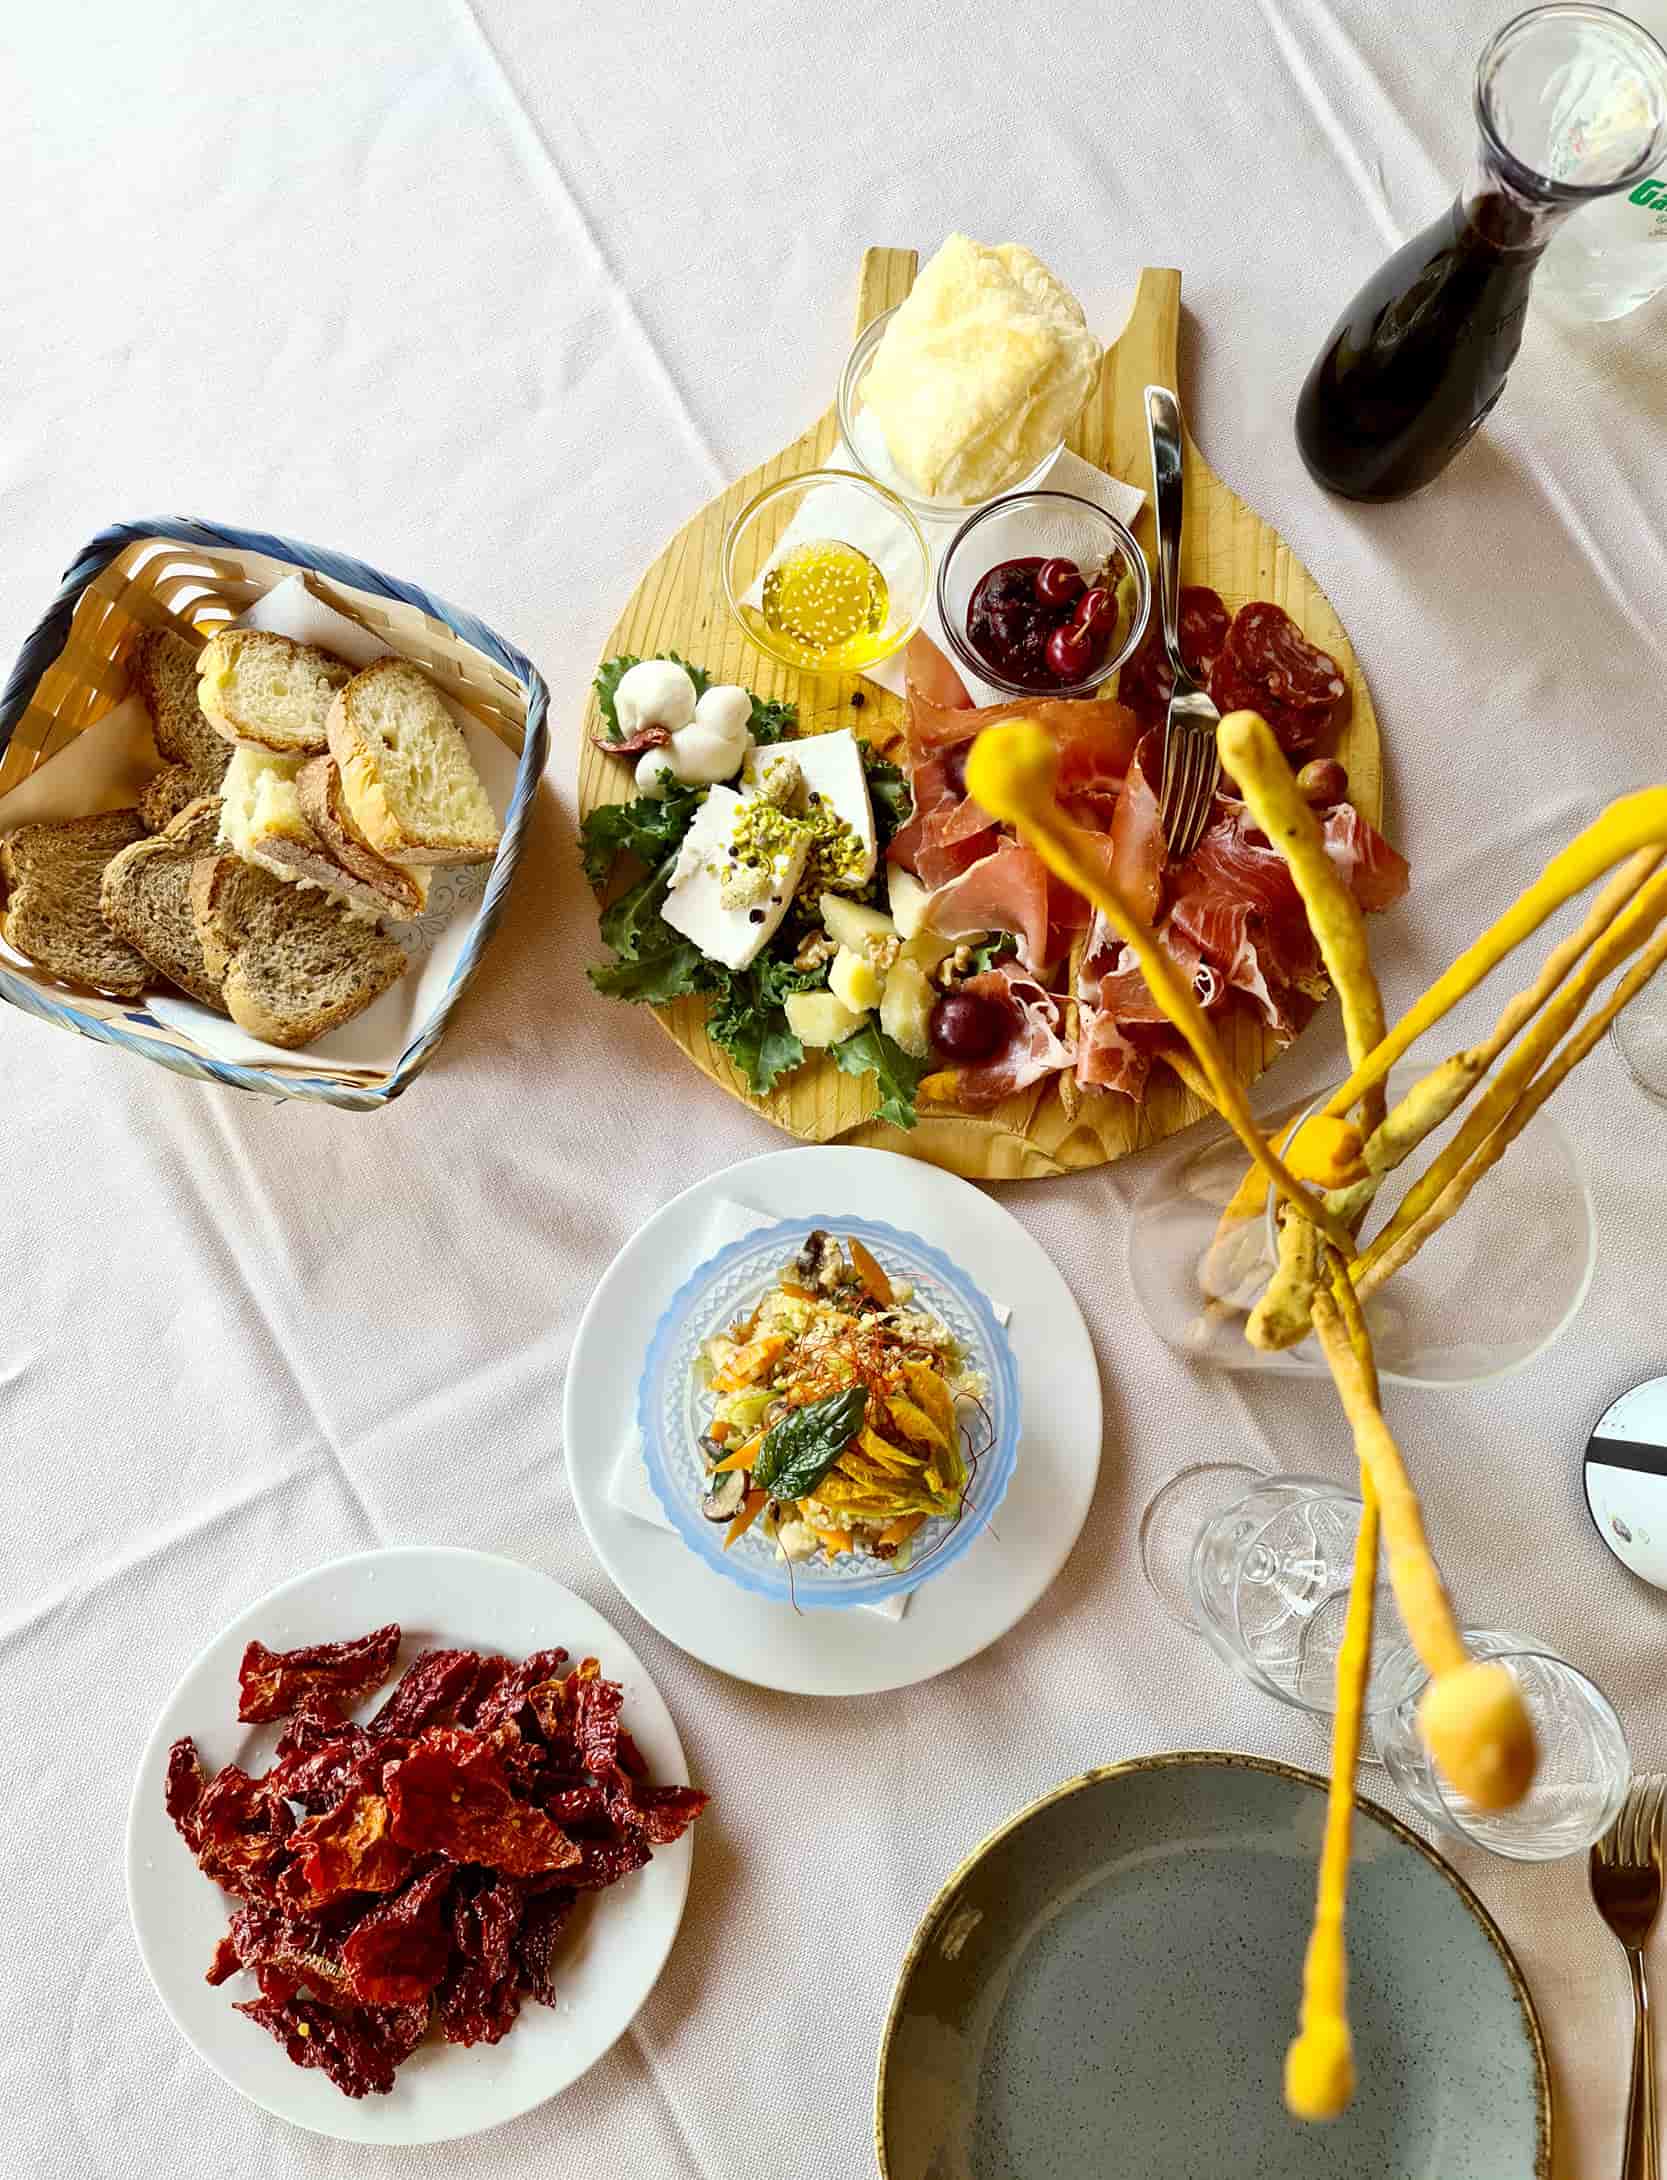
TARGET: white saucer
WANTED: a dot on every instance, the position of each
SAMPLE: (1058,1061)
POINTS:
(972,1603)
(441,1598)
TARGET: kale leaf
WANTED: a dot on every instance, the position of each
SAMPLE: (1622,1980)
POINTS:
(645,828)
(655,963)
(889,792)
(869,1051)
(748,1019)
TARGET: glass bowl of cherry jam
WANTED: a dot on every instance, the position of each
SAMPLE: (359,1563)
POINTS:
(1043,594)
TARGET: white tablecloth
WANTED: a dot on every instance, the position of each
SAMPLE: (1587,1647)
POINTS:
(495,295)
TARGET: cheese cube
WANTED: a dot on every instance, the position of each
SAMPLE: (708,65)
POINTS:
(695,905)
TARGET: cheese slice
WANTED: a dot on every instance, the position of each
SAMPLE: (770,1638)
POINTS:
(695,905)
(831,766)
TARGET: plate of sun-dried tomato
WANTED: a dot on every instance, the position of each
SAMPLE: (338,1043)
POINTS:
(409,1845)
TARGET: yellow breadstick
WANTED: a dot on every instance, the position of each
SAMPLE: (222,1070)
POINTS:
(1010,772)
(1280,1319)
(1471,1715)
(1635,821)
(1319,2064)
(1406,1244)
(1246,745)
(1624,936)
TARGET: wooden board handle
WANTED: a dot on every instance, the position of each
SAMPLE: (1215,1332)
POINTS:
(887,276)
(1145,353)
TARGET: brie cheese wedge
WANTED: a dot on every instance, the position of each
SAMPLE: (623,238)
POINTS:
(734,931)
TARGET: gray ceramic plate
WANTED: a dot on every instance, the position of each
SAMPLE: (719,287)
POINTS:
(1109,1984)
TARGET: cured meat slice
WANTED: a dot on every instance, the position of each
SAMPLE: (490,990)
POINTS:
(1267,665)
(1374,873)
(1004,891)
(930,674)
(1146,683)
(1117,1014)
(1034,1047)
(1137,843)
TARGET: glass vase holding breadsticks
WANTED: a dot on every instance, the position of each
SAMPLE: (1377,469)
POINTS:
(1202,1244)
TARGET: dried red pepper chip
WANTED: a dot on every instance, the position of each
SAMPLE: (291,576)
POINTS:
(450,1796)
(397,1953)
(242,1833)
(286,1952)
(663,1813)
(359,2051)
(479,2000)
(429,1692)
(272,1683)
(183,1789)
(319,1757)
(603,1862)
(537,1941)
(511,1692)
(351,1848)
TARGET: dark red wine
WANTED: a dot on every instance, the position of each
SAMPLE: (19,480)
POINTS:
(1419,357)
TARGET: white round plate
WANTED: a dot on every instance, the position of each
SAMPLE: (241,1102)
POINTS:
(440,1597)
(970,1604)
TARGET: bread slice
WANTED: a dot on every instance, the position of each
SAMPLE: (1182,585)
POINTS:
(403,893)
(407,781)
(146,899)
(295,965)
(165,668)
(163,798)
(263,821)
(266,692)
(53,873)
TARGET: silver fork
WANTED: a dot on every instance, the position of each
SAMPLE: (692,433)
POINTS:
(1189,740)
(1626,1884)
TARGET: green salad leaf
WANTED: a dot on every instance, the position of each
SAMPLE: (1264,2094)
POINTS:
(748,1018)
(655,963)
(999,947)
(869,1051)
(888,790)
(645,828)
(799,1450)
(771,718)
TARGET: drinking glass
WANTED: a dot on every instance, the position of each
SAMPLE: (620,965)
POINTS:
(1639,1035)
(1584,1767)
(1451,1318)
(1260,1566)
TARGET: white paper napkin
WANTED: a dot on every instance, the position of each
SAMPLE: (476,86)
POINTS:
(837,510)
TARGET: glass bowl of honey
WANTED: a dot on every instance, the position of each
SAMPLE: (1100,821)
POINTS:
(827,572)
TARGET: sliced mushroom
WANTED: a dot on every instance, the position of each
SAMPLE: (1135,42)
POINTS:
(813,1257)
(723,1501)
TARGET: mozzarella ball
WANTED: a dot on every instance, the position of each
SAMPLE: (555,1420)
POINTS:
(703,756)
(726,711)
(654,693)
(656,771)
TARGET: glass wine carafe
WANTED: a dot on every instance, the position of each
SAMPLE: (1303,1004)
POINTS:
(1571,105)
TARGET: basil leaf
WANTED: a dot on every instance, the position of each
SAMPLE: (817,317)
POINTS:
(869,1051)
(799,1450)
(612,672)
(645,828)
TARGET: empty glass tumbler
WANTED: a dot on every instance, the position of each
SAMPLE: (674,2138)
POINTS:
(1584,1767)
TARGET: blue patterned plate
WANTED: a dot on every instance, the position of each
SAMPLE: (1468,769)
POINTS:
(1110,1982)
(672,1406)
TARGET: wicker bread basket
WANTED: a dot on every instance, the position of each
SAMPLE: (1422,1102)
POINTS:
(195,576)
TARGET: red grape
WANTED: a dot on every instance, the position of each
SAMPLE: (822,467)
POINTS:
(966,1027)
(1058,582)
(1322,781)
(1071,650)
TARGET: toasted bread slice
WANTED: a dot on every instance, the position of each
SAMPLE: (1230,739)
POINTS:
(165,668)
(265,692)
(262,820)
(146,899)
(407,781)
(52,877)
(403,893)
(163,798)
(295,965)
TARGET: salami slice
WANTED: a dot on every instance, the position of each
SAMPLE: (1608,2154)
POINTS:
(1146,682)
(1295,729)
(1268,665)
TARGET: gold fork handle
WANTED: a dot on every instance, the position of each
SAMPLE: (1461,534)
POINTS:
(1638,2159)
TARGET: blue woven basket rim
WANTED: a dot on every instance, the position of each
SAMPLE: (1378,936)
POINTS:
(45,643)
(692,1526)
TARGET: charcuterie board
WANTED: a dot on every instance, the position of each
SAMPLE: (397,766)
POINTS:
(679,606)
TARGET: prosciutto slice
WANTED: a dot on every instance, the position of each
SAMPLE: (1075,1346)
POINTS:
(1006,890)
(1116,1010)
(1035,1046)
(1138,848)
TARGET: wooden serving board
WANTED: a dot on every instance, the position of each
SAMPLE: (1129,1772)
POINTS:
(679,606)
